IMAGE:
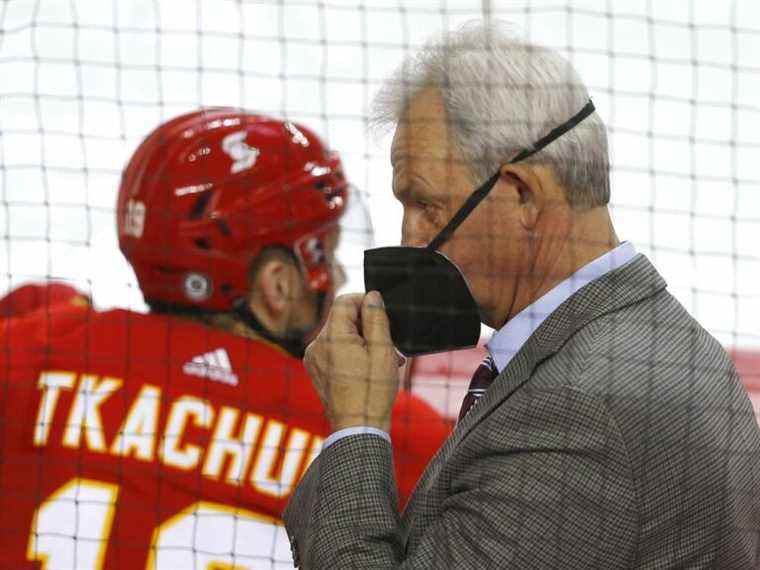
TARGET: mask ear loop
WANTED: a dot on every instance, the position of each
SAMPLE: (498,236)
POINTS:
(478,195)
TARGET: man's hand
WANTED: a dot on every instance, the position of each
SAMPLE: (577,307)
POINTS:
(353,364)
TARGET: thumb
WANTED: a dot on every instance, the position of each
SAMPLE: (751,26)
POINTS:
(376,328)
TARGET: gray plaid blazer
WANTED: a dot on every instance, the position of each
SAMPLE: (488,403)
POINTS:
(619,436)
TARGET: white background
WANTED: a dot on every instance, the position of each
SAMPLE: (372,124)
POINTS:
(81,82)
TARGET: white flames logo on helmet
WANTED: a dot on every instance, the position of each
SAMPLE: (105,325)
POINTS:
(243,156)
(197,287)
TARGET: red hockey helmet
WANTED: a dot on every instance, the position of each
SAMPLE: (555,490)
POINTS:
(205,192)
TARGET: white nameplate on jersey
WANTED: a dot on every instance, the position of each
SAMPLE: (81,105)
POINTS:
(214,365)
(242,448)
(243,156)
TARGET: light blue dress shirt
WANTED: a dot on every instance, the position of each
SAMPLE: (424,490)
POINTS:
(510,338)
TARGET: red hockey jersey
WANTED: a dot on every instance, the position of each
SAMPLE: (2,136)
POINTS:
(143,441)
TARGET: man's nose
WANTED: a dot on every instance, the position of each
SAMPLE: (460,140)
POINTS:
(410,236)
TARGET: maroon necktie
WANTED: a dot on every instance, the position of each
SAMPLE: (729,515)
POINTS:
(482,378)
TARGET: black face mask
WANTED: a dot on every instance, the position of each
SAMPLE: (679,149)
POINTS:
(429,303)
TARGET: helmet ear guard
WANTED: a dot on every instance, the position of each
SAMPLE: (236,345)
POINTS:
(206,192)
(311,253)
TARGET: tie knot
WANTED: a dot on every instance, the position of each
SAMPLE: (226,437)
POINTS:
(484,374)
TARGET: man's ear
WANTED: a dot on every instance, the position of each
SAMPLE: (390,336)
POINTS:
(529,192)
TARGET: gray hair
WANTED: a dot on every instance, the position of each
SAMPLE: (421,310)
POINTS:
(501,94)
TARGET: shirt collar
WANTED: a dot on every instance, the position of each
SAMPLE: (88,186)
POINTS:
(510,338)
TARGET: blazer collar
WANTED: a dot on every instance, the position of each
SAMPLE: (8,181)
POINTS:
(627,285)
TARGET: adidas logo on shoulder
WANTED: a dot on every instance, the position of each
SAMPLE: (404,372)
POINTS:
(214,365)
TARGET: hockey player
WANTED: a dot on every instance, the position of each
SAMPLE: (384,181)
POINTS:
(172,440)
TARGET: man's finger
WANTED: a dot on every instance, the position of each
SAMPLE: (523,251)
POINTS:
(344,315)
(376,328)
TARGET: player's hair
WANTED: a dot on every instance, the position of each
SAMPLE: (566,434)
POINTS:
(209,316)
(269,253)
(502,93)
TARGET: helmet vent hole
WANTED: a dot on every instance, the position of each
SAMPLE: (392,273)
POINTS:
(200,206)
(223,227)
(202,243)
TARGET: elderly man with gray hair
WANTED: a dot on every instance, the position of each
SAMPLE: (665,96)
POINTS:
(605,429)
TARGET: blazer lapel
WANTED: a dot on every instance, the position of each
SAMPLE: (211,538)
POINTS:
(629,284)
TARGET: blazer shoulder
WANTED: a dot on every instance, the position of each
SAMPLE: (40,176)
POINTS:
(657,371)
(656,335)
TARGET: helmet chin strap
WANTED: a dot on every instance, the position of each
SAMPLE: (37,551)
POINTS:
(293,341)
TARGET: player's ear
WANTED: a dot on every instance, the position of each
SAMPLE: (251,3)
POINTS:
(273,286)
(278,289)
